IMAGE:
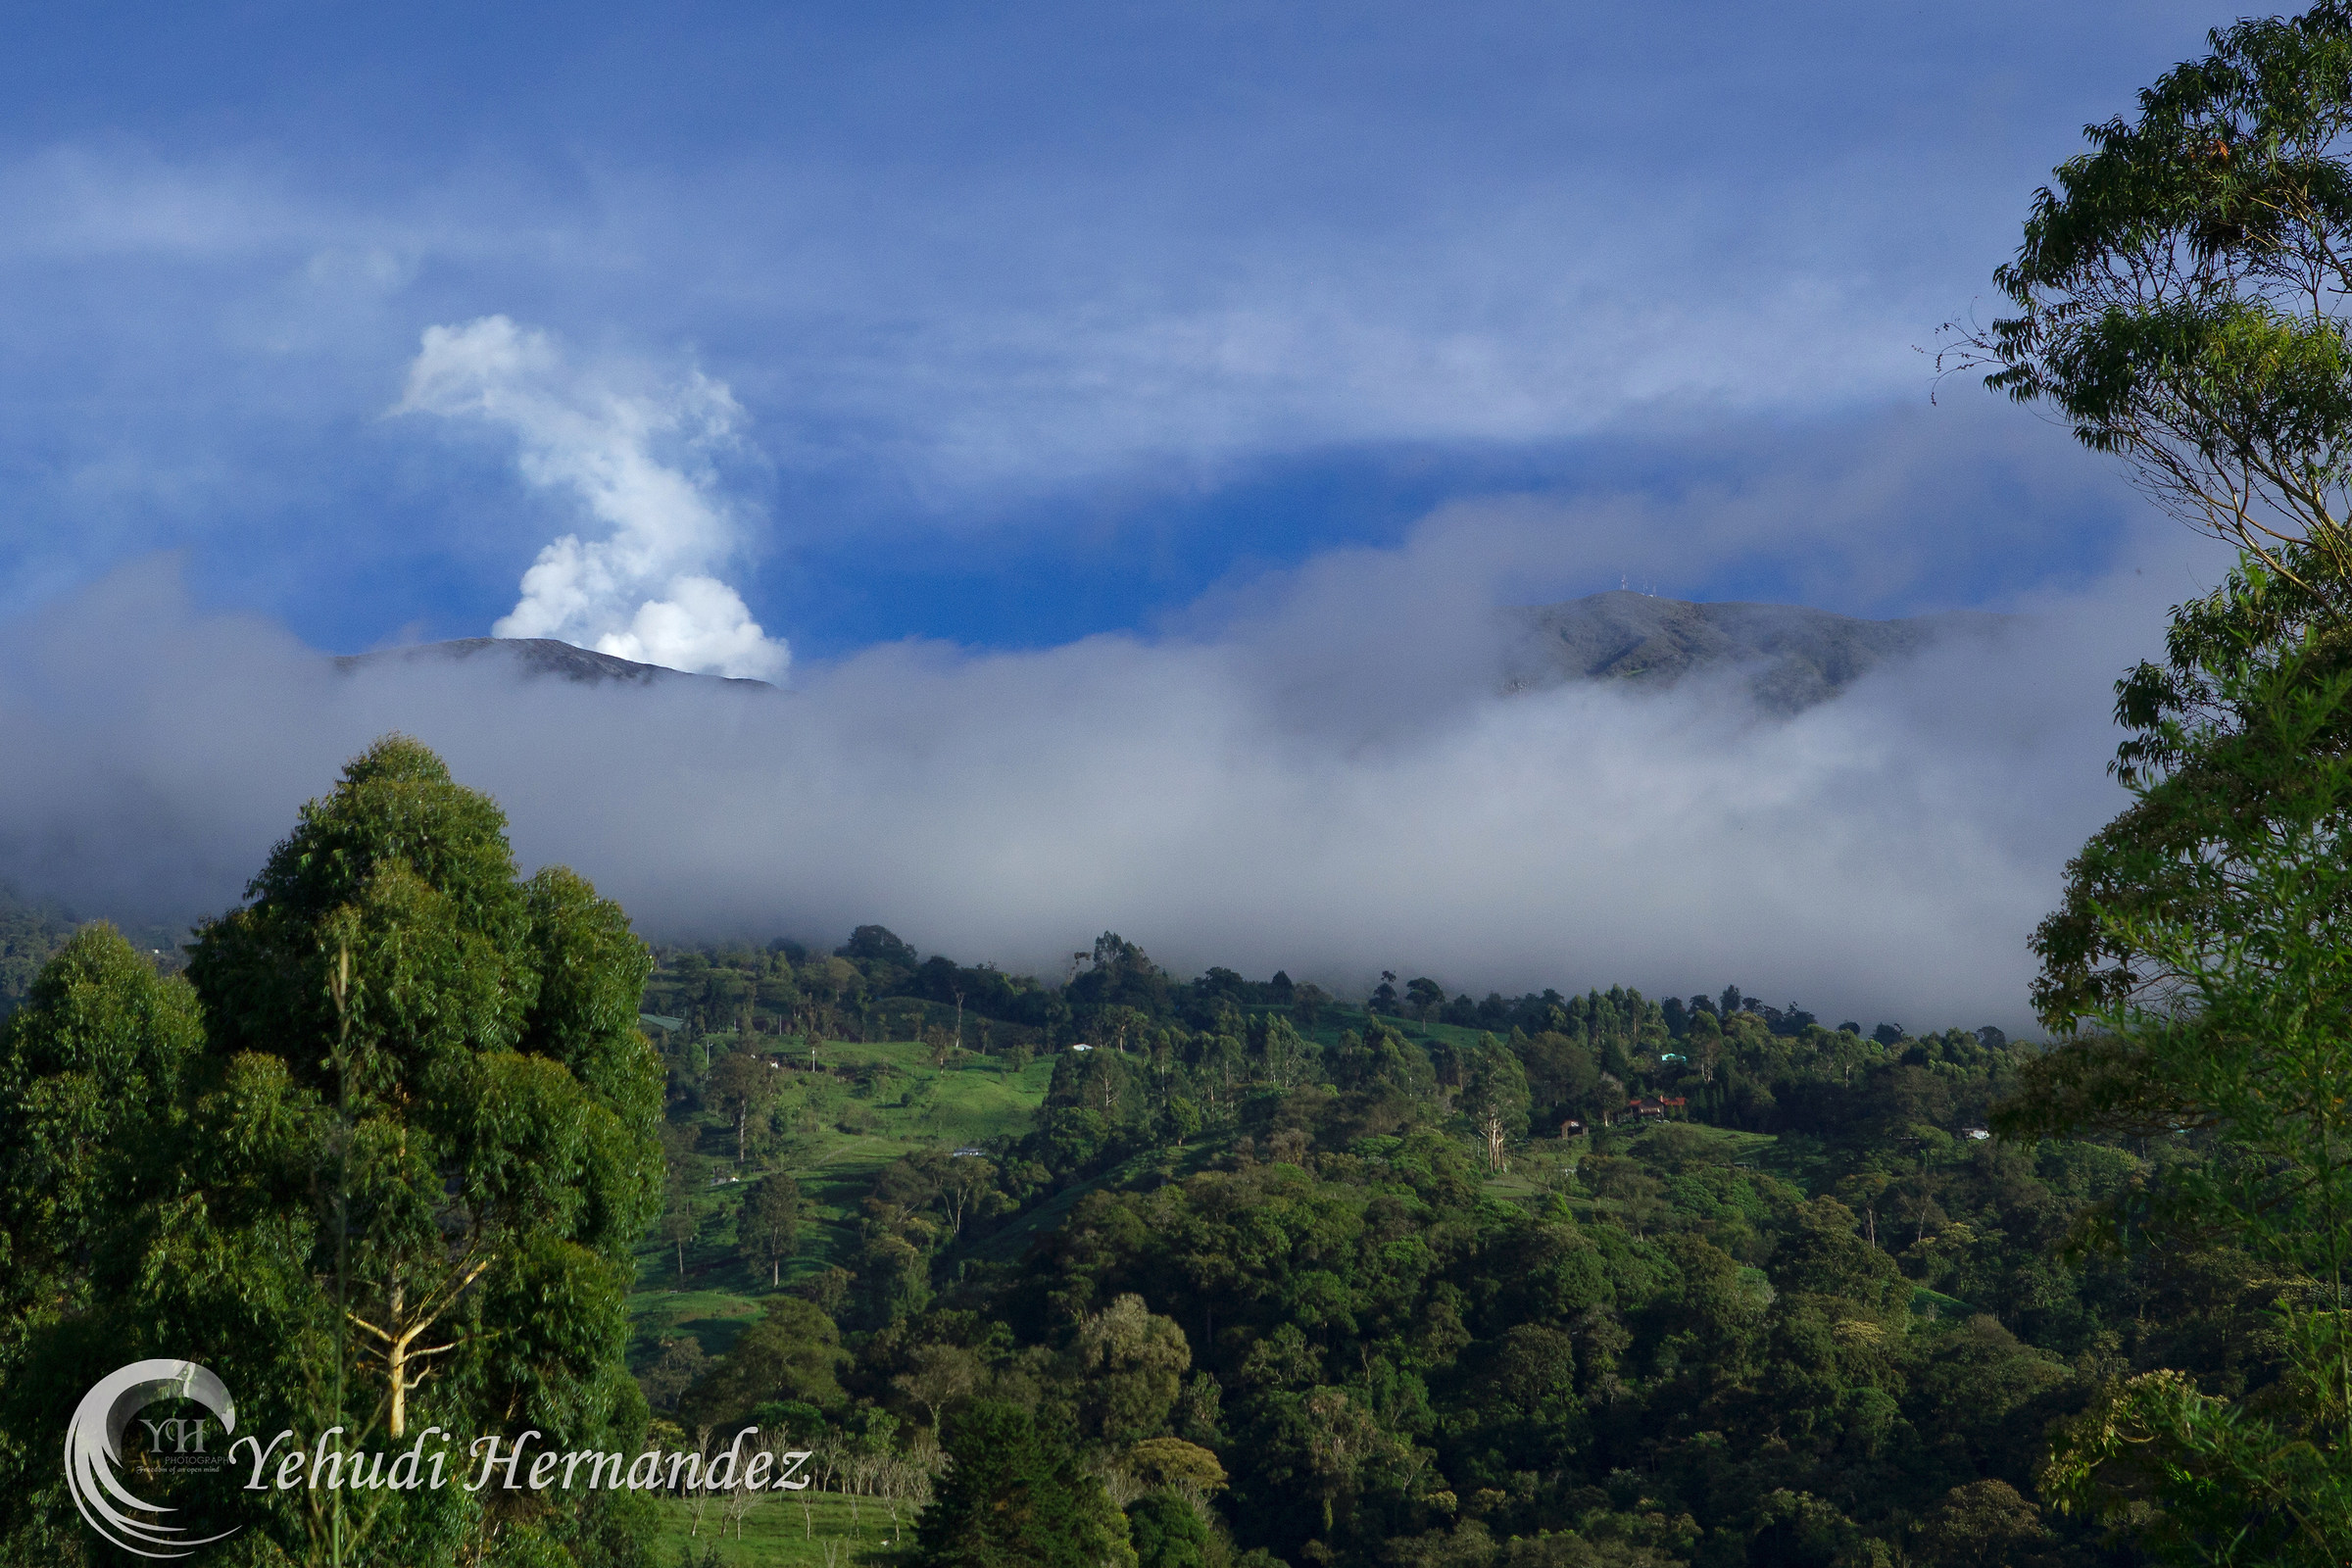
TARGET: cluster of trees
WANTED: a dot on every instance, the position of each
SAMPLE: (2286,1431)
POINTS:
(30,934)
(1164,1057)
(873,986)
(877,986)
(1314,1284)
(33,930)
(1590,1061)
(379,1158)
(1335,1374)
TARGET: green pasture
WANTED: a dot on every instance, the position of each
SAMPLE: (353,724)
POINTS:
(867,1104)
(1935,1305)
(785,1530)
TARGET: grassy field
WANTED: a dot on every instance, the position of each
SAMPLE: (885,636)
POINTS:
(1937,1304)
(868,1104)
(865,1104)
(832,1531)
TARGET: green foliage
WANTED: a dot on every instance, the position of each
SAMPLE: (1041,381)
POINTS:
(792,1353)
(1370,1345)
(91,1077)
(1166,1533)
(2201,739)
(2177,288)
(2180,303)
(768,1224)
(1130,1370)
(1495,1095)
(1014,1498)
(1280,1270)
(394,1178)
(2232,1019)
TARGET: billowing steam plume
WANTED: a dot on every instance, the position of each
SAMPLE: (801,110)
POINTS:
(638,463)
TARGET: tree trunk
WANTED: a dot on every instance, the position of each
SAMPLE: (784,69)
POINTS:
(398,1334)
(396,1357)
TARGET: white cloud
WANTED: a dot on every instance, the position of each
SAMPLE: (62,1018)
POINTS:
(638,463)
(1320,780)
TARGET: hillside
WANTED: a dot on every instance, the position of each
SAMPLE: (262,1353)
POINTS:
(29,932)
(832,1129)
(1566,1279)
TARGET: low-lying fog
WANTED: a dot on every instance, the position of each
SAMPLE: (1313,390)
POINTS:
(1320,775)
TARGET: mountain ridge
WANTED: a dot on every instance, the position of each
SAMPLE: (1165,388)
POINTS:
(543,656)
(1796,656)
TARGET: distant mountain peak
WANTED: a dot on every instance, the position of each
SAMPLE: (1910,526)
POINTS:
(540,656)
(1794,656)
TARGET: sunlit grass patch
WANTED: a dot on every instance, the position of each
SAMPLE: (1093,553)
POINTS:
(786,1530)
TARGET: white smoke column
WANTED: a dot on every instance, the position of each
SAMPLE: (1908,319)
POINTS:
(639,464)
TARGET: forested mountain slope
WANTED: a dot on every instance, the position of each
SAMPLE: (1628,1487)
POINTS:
(29,932)
(33,930)
(1770,1295)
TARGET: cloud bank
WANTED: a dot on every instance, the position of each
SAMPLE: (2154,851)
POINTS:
(1318,776)
(636,462)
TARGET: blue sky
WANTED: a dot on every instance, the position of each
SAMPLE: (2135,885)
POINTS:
(1128,415)
(1035,320)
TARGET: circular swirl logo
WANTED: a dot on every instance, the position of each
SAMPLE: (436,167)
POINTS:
(94,1451)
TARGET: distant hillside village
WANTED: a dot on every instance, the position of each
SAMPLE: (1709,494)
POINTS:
(1600,1057)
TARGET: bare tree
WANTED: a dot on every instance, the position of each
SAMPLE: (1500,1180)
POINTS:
(780,1447)
(742,1498)
(827,1459)
(856,1470)
(697,1496)
(1120,1485)
(890,1482)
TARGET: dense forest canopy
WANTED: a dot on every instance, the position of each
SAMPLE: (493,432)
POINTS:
(1572,1279)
